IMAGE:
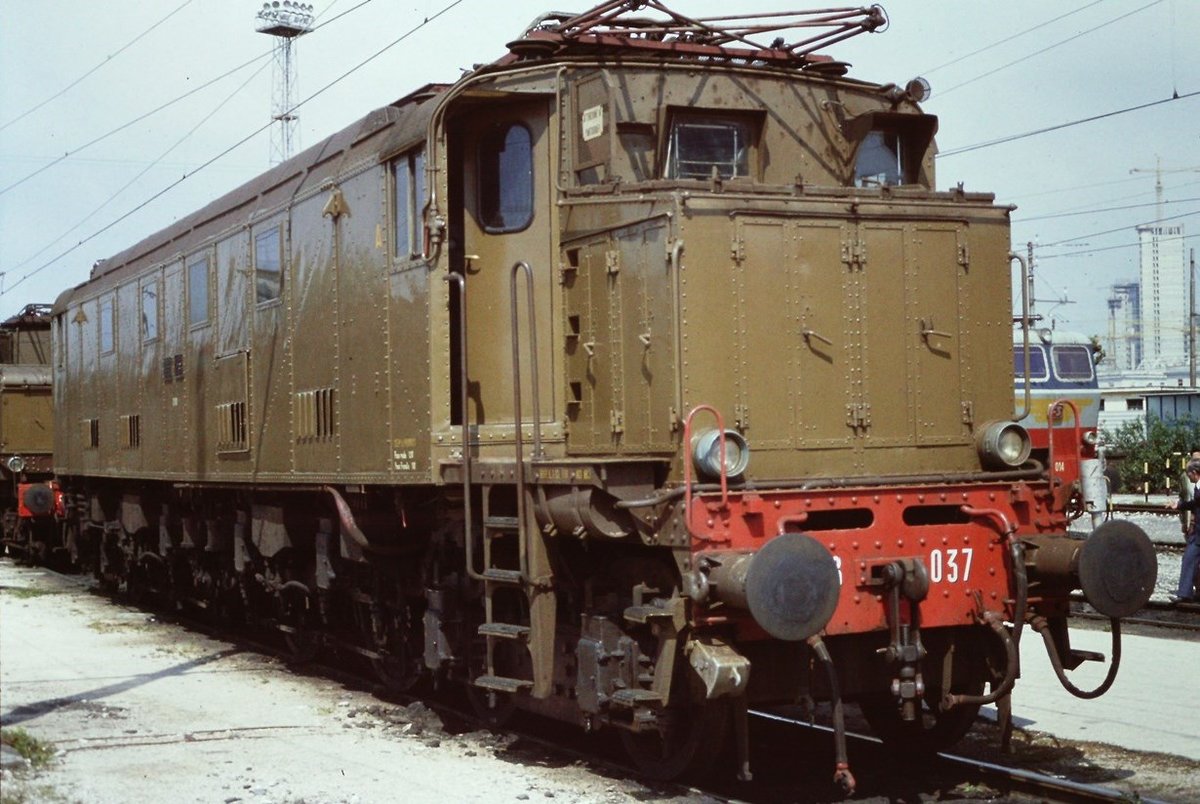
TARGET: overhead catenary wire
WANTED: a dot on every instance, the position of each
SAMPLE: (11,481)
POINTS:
(1099,249)
(1008,39)
(1100,210)
(107,59)
(1121,228)
(1072,38)
(148,167)
(236,145)
(1086,208)
(167,105)
(1014,137)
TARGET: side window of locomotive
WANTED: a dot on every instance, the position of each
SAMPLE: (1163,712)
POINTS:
(1073,363)
(197,290)
(408,179)
(149,296)
(268,266)
(879,160)
(699,146)
(506,179)
(1037,363)
(107,333)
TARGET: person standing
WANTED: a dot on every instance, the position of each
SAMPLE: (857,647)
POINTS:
(1186,489)
(1191,551)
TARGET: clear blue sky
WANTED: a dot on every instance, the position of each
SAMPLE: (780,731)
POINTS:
(1065,61)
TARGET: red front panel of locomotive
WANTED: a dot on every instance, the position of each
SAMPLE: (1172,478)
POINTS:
(959,534)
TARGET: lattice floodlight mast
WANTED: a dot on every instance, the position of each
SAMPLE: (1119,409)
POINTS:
(611,27)
(285,21)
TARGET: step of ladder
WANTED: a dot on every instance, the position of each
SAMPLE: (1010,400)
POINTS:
(510,523)
(502,684)
(504,631)
(497,575)
(632,698)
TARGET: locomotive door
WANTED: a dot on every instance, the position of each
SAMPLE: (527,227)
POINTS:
(912,345)
(504,183)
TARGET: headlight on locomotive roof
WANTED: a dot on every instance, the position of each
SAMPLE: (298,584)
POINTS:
(706,454)
(1003,445)
(1091,438)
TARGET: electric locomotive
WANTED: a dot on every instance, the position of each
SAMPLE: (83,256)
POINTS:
(1059,384)
(30,497)
(636,378)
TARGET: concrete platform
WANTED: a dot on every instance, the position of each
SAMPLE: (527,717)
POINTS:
(1154,705)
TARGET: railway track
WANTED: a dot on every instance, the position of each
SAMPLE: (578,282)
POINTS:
(947,776)
(778,740)
(1167,619)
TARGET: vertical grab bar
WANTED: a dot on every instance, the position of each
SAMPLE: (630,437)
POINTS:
(687,462)
(517,413)
(1025,331)
(469,537)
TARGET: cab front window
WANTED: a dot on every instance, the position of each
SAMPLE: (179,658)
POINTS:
(701,147)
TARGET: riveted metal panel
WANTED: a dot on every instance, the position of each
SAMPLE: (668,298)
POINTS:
(828,369)
(887,336)
(589,348)
(360,427)
(644,286)
(767,311)
(409,363)
(937,313)
(172,394)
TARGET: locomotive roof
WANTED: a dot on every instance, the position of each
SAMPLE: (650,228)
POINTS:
(382,131)
(610,30)
(32,316)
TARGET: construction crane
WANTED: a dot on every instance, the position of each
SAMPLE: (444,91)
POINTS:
(1158,172)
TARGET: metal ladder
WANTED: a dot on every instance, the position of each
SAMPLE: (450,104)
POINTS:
(497,579)
(533,575)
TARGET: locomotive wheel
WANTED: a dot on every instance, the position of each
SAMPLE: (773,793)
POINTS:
(302,640)
(687,742)
(398,673)
(493,707)
(931,732)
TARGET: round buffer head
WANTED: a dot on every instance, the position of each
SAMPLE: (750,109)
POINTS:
(792,587)
(1117,568)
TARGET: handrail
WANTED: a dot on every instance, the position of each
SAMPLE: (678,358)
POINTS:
(1051,413)
(677,324)
(519,437)
(1012,255)
(469,540)
(687,460)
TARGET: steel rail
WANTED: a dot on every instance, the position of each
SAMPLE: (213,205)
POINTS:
(1030,782)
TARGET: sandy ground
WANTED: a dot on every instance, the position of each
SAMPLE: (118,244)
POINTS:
(140,710)
(144,711)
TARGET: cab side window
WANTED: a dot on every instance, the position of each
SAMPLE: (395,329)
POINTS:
(197,289)
(149,309)
(408,174)
(107,334)
(506,178)
(268,266)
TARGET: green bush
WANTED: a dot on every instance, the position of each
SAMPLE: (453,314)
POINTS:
(1156,454)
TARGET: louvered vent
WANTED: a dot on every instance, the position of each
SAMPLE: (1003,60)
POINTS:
(315,415)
